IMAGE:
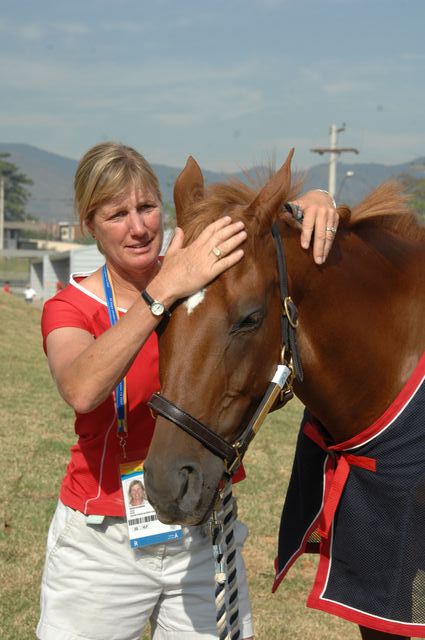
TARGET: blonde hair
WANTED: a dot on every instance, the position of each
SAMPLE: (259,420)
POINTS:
(105,171)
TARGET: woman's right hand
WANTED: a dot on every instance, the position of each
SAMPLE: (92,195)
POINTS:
(186,270)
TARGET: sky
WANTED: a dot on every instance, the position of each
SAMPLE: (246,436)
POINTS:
(233,83)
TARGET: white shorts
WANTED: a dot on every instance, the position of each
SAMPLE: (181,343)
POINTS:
(96,587)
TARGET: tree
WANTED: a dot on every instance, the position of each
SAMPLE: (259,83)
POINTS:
(416,189)
(169,215)
(15,194)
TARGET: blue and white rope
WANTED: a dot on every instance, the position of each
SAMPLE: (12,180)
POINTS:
(226,585)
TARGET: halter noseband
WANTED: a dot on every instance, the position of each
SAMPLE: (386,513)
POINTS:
(281,385)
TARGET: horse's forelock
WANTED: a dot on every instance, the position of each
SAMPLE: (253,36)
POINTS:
(231,198)
(218,200)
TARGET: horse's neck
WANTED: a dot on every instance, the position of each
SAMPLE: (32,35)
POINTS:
(360,334)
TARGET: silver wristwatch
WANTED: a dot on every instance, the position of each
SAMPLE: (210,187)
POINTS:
(156,307)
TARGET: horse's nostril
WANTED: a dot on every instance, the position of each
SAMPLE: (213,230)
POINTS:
(190,481)
(184,475)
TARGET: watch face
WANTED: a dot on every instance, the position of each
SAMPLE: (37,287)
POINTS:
(157,308)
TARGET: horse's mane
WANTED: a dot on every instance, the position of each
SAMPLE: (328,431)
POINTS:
(386,206)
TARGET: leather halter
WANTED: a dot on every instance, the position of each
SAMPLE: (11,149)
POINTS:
(281,385)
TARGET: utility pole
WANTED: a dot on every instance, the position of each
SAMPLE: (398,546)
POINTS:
(334,152)
(1,213)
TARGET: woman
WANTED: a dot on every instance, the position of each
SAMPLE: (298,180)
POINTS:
(99,337)
(136,493)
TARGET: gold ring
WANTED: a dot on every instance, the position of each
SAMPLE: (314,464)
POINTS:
(331,229)
(216,251)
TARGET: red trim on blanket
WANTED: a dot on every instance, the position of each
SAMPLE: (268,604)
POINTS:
(371,622)
(337,483)
(395,408)
(315,601)
(305,547)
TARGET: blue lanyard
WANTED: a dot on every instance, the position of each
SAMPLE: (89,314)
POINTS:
(121,388)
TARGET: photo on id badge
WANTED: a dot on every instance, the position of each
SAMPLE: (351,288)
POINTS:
(143,525)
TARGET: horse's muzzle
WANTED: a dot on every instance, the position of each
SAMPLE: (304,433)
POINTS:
(185,493)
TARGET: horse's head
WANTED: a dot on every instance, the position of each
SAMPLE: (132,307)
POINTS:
(221,346)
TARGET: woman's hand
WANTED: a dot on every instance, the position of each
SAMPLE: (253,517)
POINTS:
(320,221)
(186,270)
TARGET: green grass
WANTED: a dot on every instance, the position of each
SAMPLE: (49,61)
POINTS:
(14,269)
(32,418)
(35,435)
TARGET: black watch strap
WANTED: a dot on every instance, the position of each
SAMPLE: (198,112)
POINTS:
(151,303)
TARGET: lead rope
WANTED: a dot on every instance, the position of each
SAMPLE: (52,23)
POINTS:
(224,549)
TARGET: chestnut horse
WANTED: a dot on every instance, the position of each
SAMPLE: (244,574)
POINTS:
(361,330)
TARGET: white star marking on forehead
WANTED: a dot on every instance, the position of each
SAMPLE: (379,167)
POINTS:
(193,301)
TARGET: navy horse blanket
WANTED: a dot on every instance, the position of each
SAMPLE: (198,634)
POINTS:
(361,505)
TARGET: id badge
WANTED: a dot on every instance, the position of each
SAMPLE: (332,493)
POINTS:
(144,528)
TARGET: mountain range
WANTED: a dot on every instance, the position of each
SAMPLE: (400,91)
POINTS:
(52,175)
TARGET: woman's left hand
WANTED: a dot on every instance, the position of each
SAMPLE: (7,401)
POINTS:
(320,223)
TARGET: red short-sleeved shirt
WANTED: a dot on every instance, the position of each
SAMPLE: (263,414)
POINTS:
(91,483)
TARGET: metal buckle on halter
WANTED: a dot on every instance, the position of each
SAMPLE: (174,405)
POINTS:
(229,469)
(290,311)
(287,389)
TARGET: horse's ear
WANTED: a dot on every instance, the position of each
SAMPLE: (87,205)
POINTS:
(189,186)
(273,194)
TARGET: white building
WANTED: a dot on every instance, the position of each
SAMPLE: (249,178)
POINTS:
(54,268)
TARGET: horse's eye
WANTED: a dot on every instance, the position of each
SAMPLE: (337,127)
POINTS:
(249,323)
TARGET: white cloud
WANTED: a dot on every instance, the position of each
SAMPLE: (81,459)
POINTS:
(124,26)
(170,94)
(28,32)
(197,104)
(18,71)
(26,75)
(343,86)
(412,56)
(36,31)
(70,28)
(30,120)
(402,144)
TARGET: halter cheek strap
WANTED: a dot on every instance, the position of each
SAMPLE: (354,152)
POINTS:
(289,318)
